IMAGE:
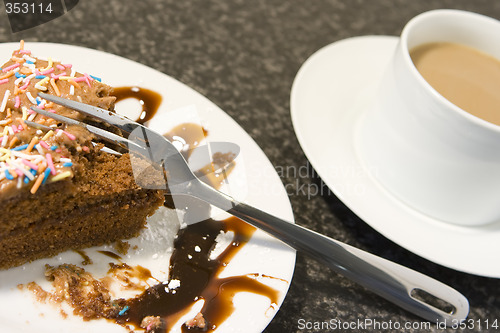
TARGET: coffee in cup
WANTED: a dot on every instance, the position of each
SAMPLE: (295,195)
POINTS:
(430,154)
(468,78)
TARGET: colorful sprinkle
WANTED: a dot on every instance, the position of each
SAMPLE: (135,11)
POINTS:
(62,175)
(122,311)
(8,175)
(46,175)
(50,164)
(19,148)
(4,101)
(11,67)
(37,183)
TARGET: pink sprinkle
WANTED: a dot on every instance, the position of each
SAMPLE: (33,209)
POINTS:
(11,67)
(58,150)
(25,51)
(4,81)
(25,85)
(19,173)
(44,144)
(50,164)
(37,72)
(61,67)
(20,127)
(14,128)
(18,102)
(30,112)
(47,71)
(50,110)
(69,135)
(31,165)
(67,65)
(87,79)
(58,75)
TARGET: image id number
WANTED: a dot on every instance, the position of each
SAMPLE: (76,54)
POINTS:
(476,324)
(27,8)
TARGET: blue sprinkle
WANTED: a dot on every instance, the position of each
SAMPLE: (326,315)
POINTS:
(53,147)
(18,75)
(40,77)
(38,101)
(23,147)
(26,180)
(33,172)
(67,164)
(8,175)
(122,311)
(29,62)
(46,175)
(95,78)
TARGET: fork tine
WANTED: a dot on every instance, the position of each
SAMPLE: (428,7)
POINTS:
(108,136)
(114,119)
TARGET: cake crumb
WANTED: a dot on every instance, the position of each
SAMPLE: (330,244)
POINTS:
(122,247)
(198,321)
(153,324)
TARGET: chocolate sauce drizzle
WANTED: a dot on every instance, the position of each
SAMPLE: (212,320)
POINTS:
(190,265)
(149,99)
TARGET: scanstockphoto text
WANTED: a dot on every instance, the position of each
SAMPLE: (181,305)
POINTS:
(376,325)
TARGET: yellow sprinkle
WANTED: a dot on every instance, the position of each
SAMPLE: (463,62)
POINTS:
(4,150)
(49,65)
(25,113)
(54,85)
(44,80)
(48,135)
(62,175)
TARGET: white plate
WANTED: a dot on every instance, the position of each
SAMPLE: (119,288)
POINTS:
(329,96)
(256,182)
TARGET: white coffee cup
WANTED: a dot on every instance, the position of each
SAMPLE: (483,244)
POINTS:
(429,153)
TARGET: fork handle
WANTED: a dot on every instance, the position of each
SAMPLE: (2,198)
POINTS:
(390,280)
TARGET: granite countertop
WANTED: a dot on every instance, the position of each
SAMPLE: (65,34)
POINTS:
(243,56)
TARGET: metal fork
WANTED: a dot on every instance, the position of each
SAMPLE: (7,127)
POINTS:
(398,284)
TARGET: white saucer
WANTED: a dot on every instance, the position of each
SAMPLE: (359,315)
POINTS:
(329,96)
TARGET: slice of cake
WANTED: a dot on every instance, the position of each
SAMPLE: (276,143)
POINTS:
(58,190)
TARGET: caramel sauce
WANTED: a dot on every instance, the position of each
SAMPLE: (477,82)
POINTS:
(190,262)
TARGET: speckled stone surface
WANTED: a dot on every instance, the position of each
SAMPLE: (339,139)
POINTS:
(244,55)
